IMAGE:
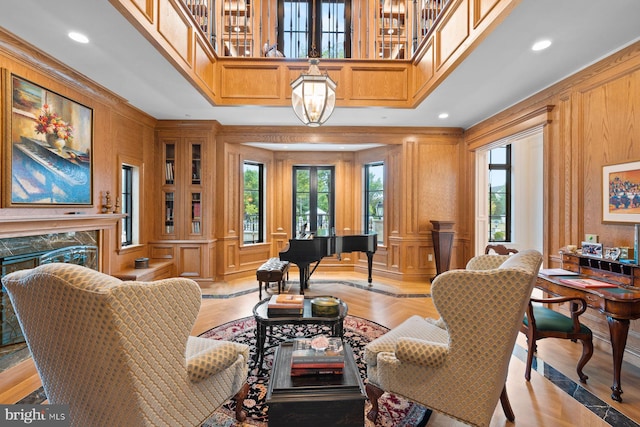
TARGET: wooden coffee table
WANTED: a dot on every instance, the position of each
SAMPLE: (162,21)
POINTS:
(263,321)
(316,400)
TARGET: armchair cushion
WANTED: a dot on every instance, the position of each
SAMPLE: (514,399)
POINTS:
(207,357)
(414,327)
(550,320)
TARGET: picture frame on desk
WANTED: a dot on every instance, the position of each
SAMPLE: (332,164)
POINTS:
(592,249)
(48,148)
(621,192)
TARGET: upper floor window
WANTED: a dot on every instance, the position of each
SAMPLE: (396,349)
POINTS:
(374,199)
(253,223)
(500,194)
(332,28)
(313,195)
(130,189)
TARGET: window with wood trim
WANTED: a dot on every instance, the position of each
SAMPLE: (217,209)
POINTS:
(500,194)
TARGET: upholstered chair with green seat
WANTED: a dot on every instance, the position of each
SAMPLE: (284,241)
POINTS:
(119,353)
(543,322)
(458,364)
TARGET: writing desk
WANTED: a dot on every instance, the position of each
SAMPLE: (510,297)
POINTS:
(620,304)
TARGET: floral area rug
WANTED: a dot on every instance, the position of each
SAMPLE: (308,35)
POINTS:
(394,411)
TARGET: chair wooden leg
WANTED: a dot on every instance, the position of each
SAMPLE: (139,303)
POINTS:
(241,415)
(373,393)
(530,351)
(587,352)
(506,405)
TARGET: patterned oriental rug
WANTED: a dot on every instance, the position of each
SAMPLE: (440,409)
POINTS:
(394,411)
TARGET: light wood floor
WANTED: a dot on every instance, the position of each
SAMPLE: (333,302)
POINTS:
(538,403)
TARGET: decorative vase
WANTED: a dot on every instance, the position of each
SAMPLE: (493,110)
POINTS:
(55,142)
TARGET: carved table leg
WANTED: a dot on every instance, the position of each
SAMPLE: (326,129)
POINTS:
(618,329)
(373,393)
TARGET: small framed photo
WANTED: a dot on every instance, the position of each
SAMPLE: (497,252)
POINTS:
(592,249)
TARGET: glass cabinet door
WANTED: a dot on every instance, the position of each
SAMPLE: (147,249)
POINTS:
(169,226)
(196,164)
(170,163)
(196,214)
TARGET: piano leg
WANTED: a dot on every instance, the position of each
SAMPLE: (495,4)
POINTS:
(370,265)
(304,277)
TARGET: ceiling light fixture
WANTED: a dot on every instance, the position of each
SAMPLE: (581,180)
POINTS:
(443,115)
(80,38)
(313,95)
(541,45)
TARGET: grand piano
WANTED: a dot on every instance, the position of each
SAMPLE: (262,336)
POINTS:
(303,252)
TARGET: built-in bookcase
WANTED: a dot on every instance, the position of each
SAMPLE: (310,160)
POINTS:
(182,189)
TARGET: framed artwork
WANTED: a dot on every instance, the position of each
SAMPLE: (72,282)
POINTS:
(621,192)
(48,147)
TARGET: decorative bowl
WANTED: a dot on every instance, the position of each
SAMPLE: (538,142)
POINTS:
(325,306)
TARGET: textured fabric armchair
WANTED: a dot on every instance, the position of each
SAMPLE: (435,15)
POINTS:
(119,353)
(457,364)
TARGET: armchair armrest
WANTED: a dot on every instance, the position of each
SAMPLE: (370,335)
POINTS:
(557,300)
(206,357)
(419,352)
(578,306)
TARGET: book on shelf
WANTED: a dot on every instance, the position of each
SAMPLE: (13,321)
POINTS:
(319,352)
(588,283)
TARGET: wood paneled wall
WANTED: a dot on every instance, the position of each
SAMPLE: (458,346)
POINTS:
(422,184)
(119,132)
(590,120)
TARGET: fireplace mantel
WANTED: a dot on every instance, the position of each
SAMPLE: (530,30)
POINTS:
(18,226)
(105,224)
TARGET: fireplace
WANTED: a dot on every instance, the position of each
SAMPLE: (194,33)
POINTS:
(20,253)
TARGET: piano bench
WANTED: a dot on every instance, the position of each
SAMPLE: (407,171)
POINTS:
(272,271)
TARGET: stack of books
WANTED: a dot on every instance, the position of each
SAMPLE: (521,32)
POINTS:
(285,305)
(320,355)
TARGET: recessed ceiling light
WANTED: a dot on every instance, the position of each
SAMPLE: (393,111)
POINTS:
(443,115)
(541,45)
(80,38)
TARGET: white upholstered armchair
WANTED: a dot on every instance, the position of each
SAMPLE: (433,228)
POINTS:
(458,364)
(119,353)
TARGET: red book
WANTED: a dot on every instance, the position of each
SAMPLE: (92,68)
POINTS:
(299,372)
(588,283)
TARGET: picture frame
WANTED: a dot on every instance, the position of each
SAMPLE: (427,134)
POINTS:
(621,193)
(592,249)
(48,147)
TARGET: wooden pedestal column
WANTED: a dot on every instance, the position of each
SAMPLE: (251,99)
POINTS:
(442,235)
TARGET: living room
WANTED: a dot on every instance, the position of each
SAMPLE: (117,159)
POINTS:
(586,121)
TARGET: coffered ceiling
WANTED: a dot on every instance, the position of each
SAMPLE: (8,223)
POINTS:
(500,72)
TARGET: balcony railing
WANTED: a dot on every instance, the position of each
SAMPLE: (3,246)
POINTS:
(381,29)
